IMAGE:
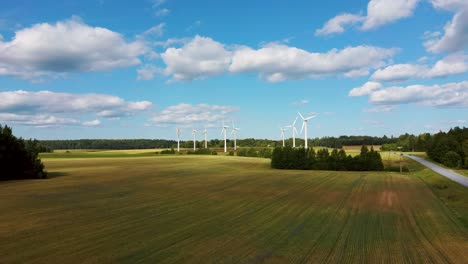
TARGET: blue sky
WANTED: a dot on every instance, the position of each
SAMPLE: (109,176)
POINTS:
(111,69)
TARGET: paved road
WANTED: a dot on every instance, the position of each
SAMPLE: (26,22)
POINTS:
(442,171)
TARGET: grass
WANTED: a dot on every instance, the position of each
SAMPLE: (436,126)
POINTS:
(216,209)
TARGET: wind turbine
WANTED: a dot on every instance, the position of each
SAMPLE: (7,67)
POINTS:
(194,132)
(224,131)
(304,125)
(178,139)
(234,132)
(282,133)
(294,131)
(206,142)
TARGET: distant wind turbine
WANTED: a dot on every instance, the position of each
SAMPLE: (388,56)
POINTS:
(282,133)
(224,130)
(294,131)
(206,142)
(304,126)
(234,132)
(178,139)
(194,132)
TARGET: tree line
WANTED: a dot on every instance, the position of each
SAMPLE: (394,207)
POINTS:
(19,157)
(302,159)
(330,142)
(449,148)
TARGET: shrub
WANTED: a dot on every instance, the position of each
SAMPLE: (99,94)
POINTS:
(299,158)
(168,151)
(452,159)
(202,151)
(19,158)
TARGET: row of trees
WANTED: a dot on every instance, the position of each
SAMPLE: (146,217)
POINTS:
(331,142)
(449,148)
(19,157)
(301,159)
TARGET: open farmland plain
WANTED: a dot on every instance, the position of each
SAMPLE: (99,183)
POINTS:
(205,209)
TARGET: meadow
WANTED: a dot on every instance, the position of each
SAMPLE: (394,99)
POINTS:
(137,207)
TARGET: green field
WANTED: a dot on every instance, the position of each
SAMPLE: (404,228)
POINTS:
(218,209)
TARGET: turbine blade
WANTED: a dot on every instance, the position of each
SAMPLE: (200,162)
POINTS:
(302,128)
(300,115)
(294,123)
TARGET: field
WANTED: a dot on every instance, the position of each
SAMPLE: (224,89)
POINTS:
(218,209)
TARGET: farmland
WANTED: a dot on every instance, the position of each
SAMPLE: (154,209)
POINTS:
(140,207)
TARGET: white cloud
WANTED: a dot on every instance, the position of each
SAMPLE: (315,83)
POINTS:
(23,107)
(277,62)
(157,3)
(450,65)
(380,109)
(399,72)
(366,89)
(95,122)
(188,114)
(147,72)
(455,37)
(67,46)
(379,13)
(449,95)
(155,31)
(337,24)
(37,120)
(202,57)
(357,73)
(198,59)
(301,102)
(162,12)
(451,5)
(172,42)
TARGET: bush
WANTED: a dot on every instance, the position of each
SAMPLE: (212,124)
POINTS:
(452,159)
(301,159)
(19,158)
(202,151)
(168,151)
(231,153)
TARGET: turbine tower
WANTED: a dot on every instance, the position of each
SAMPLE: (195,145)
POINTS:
(194,132)
(224,130)
(304,126)
(294,131)
(234,132)
(206,142)
(282,133)
(178,139)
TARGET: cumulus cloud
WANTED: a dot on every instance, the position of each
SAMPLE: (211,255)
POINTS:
(95,122)
(380,109)
(366,89)
(450,65)
(451,5)
(276,62)
(379,13)
(200,58)
(337,24)
(455,37)
(37,120)
(22,107)
(66,46)
(147,72)
(188,114)
(446,95)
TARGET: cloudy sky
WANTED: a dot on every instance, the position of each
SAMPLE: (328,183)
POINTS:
(111,69)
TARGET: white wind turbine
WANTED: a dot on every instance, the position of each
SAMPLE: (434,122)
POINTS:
(206,142)
(294,131)
(178,139)
(224,130)
(282,133)
(234,132)
(194,132)
(304,126)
